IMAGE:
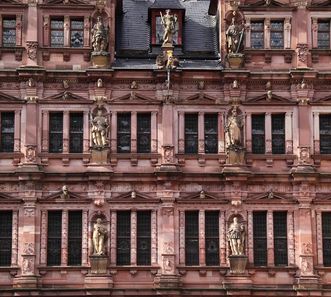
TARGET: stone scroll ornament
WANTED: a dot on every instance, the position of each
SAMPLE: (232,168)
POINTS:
(236,237)
(99,130)
(99,238)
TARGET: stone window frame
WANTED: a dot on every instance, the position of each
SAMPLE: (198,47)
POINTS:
(315,142)
(180,131)
(289,125)
(18,15)
(319,234)
(154,130)
(267,18)
(314,29)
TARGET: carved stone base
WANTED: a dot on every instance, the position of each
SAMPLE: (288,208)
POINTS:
(238,264)
(233,282)
(30,281)
(99,264)
(167,281)
(236,61)
(100,60)
(100,156)
(96,282)
(235,156)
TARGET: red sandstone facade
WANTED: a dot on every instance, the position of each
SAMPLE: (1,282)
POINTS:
(38,80)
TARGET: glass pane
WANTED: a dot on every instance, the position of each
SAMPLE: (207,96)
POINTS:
(260,238)
(144,133)
(54,234)
(56,132)
(7,132)
(276,40)
(258,134)
(75,238)
(191,238)
(123,133)
(278,133)
(280,237)
(276,26)
(57,33)
(123,238)
(191,133)
(257,34)
(143,238)
(77,38)
(212,237)
(326,234)
(5,237)
(76,133)
(77,25)
(211,137)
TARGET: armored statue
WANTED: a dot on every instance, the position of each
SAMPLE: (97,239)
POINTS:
(168,22)
(234,130)
(99,237)
(99,129)
(234,37)
(99,36)
(236,237)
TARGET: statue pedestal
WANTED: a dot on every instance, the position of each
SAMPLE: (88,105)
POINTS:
(238,264)
(27,281)
(235,156)
(167,281)
(236,61)
(98,282)
(99,264)
(100,59)
(100,156)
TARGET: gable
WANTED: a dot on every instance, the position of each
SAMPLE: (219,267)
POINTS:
(200,98)
(134,98)
(59,197)
(5,98)
(133,197)
(68,97)
(269,197)
(202,197)
(271,100)
(8,199)
(324,100)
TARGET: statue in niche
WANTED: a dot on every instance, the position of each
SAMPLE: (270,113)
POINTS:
(234,129)
(99,36)
(99,129)
(99,237)
(169,23)
(236,237)
(234,37)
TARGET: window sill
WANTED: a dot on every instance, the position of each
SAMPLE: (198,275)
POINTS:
(17,50)
(134,157)
(272,270)
(316,52)
(270,158)
(268,53)
(202,269)
(66,52)
(201,158)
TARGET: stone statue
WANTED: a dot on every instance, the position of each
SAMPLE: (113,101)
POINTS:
(233,130)
(99,237)
(234,38)
(99,129)
(236,237)
(169,26)
(99,36)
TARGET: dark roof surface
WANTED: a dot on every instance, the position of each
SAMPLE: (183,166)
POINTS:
(133,28)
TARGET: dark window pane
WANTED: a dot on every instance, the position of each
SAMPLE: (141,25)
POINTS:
(278,133)
(277,34)
(257,34)
(6,218)
(123,132)
(191,238)
(57,33)
(76,133)
(280,237)
(77,33)
(260,238)
(144,133)
(56,132)
(75,238)
(143,238)
(323,34)
(7,132)
(325,133)
(211,136)
(123,238)
(326,234)
(9,32)
(212,238)
(258,134)
(191,133)
(54,234)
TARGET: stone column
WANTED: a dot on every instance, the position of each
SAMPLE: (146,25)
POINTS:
(268,133)
(46,37)
(182,237)
(248,132)
(250,239)
(221,134)
(248,33)
(45,129)
(267,33)
(66,30)
(66,131)
(316,132)
(133,238)
(86,130)
(85,239)
(86,31)
(64,241)
(319,237)
(154,260)
(113,132)
(290,238)
(113,229)
(18,30)
(314,29)
(181,133)
(43,238)
(17,132)
(202,236)
(133,132)
(270,238)
(223,241)
(201,133)
(14,256)
(302,36)
(32,35)
(154,129)
(288,133)
(287,33)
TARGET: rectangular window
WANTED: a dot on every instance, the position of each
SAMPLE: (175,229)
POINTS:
(56,132)
(260,238)
(9,32)
(54,238)
(57,32)
(191,133)
(77,33)
(143,238)
(278,133)
(211,135)
(123,238)
(6,219)
(323,34)
(276,34)
(258,134)
(212,238)
(325,133)
(326,235)
(75,238)
(7,132)
(257,34)
(76,132)
(143,132)
(124,132)
(280,238)
(191,238)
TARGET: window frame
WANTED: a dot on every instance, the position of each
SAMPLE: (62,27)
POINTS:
(14,28)
(194,134)
(323,20)
(263,149)
(12,133)
(6,253)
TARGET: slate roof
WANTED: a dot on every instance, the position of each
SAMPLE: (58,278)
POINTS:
(133,28)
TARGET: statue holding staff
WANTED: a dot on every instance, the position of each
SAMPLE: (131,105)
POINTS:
(169,23)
